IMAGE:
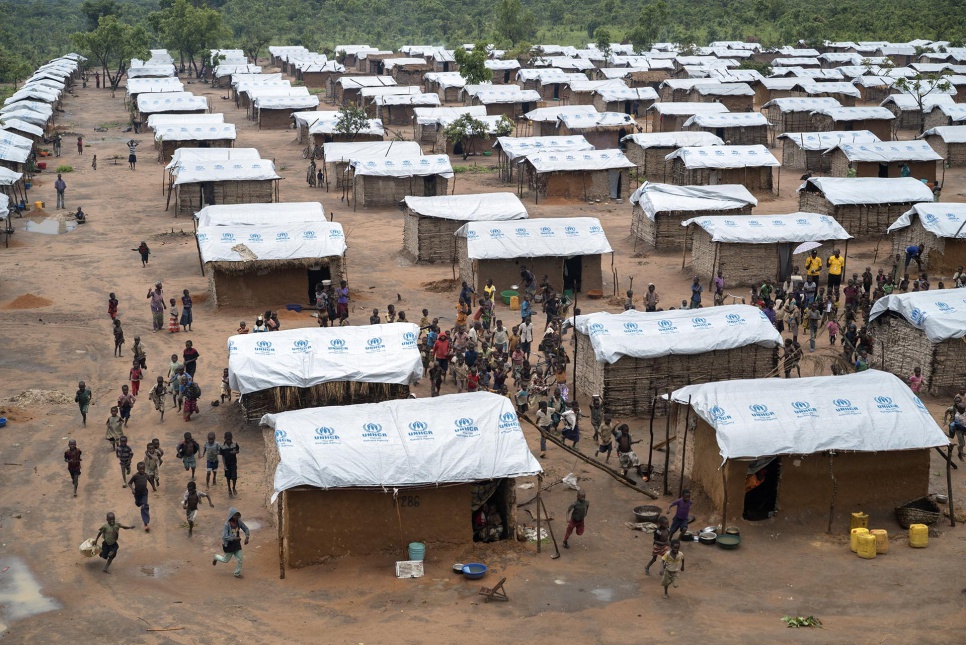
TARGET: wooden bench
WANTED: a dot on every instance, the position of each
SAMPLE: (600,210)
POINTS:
(497,592)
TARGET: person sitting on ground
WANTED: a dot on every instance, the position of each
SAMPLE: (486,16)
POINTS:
(80,216)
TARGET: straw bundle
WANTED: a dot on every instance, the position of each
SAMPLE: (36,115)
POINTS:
(282,399)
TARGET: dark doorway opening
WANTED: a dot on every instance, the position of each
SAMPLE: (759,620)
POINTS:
(429,186)
(458,148)
(445,66)
(621,144)
(316,275)
(506,76)
(207,189)
(761,490)
(556,91)
(572,273)
(719,132)
(884,170)
(490,510)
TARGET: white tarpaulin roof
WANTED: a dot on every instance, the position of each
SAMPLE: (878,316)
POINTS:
(493,96)
(956,112)
(611,93)
(327,126)
(725,157)
(15,140)
(9,177)
(4,205)
(849,191)
(346,152)
(260,214)
(152,70)
(276,242)
(312,355)
(446,79)
(587,120)
(948,133)
(941,314)
(842,87)
(674,139)
(25,116)
(250,87)
(533,238)
(516,147)
(195,132)
(42,109)
(856,113)
(392,63)
(679,332)
(428,116)
(308,118)
(231,170)
(243,78)
(39,93)
(682,108)
(14,154)
(554,113)
(579,161)
(350,82)
(231,70)
(152,85)
(869,411)
(416,166)
(13,123)
(723,89)
(291,102)
(727,120)
(826,140)
(800,104)
(909,102)
(171,102)
(407,99)
(770,229)
(482,207)
(659,198)
(502,64)
(188,156)
(886,152)
(940,219)
(411,442)
(163,120)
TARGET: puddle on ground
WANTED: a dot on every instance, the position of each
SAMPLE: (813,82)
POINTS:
(50,226)
(604,595)
(20,595)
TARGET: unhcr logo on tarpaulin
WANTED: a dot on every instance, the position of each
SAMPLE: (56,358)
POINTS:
(375,345)
(419,431)
(373,432)
(719,416)
(326,436)
(632,328)
(409,340)
(465,427)
(509,422)
(282,440)
(597,329)
(803,409)
(886,404)
(337,346)
(301,347)
(844,408)
(760,412)
(264,348)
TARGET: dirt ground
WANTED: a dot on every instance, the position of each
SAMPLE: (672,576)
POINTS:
(53,301)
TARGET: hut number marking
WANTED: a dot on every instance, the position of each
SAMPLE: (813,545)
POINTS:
(409,501)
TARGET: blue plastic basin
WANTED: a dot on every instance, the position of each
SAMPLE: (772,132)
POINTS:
(474,570)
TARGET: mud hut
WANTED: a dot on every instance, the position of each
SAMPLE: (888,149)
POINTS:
(649,149)
(434,462)
(923,329)
(170,103)
(632,357)
(659,210)
(588,175)
(737,97)
(752,249)
(567,249)
(874,88)
(806,150)
(842,91)
(768,89)
(431,223)
(274,112)
(508,100)
(406,71)
(750,166)
(168,138)
(14,151)
(217,176)
(429,122)
(945,114)
(447,85)
(397,109)
(602,129)
(136,86)
(302,121)
(582,90)
(949,142)
(670,117)
(543,121)
(246,90)
(877,120)
(940,228)
(884,159)
(793,114)
(831,444)
(346,89)
(385,182)
(337,157)
(634,101)
(553,85)
(504,71)
(511,150)
(864,206)
(736,128)
(677,90)
(907,111)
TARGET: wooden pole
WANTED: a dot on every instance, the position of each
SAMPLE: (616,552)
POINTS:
(667,448)
(724,486)
(684,445)
(650,447)
(539,504)
(281,538)
(835,488)
(949,484)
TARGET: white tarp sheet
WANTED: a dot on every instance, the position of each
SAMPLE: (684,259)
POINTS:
(163,120)
(15,140)
(271,242)
(413,442)
(955,113)
(683,108)
(516,147)
(502,64)
(825,140)
(9,177)
(574,161)
(154,85)
(870,411)
(418,166)
(407,99)
(611,93)
(581,120)
(940,219)
(230,70)
(371,92)
(313,355)
(37,93)
(886,152)
(293,102)
(948,133)
(13,123)
(254,87)
(941,314)
(658,198)
(548,114)
(641,334)
(532,238)
(260,214)
(14,154)
(327,126)
(727,120)
(849,191)
(907,102)
(346,152)
(4,206)
(844,88)
(42,109)
(351,82)
(802,104)
(494,96)
(434,115)
(172,102)
(856,113)
(151,70)
(482,207)
(241,78)
(195,132)
(231,170)
(754,156)
(723,89)
(770,229)
(674,139)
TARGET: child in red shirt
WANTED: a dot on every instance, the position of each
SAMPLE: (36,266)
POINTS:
(136,375)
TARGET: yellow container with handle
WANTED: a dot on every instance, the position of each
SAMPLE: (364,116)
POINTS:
(515,303)
(854,538)
(859,521)
(866,546)
(881,540)
(918,536)
(39,205)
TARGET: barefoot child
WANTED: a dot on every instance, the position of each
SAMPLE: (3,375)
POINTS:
(73,458)
(136,375)
(124,403)
(144,251)
(210,452)
(173,325)
(190,501)
(833,331)
(112,306)
(125,455)
(157,449)
(229,454)
(187,450)
(118,337)
(110,532)
(662,537)
(139,486)
(673,565)
(225,387)
(157,393)
(192,392)
(114,432)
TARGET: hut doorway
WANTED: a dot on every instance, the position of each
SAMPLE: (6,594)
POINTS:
(556,91)
(573,273)
(317,275)
(490,508)
(884,170)
(784,261)
(621,144)
(506,76)
(429,185)
(615,177)
(458,148)
(761,489)
(207,189)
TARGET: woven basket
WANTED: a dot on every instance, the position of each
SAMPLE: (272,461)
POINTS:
(918,511)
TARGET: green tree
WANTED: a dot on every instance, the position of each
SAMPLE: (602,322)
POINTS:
(13,68)
(112,45)
(352,120)
(192,31)
(650,24)
(97,9)
(473,64)
(253,23)
(466,131)
(603,39)
(513,22)
(920,86)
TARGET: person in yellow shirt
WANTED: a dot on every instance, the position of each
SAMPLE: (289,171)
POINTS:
(489,291)
(835,264)
(813,266)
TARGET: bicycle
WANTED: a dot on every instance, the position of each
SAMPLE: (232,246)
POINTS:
(315,151)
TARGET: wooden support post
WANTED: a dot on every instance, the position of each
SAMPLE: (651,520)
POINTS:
(949,484)
(539,504)
(835,488)
(667,449)
(684,444)
(724,486)
(650,447)
(281,537)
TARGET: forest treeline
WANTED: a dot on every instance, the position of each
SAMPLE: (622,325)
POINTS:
(36,30)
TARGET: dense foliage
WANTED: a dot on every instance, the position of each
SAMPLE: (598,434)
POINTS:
(36,30)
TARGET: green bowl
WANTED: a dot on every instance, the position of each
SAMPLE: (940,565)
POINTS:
(729,542)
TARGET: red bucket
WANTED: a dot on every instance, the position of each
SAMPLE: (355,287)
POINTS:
(42,165)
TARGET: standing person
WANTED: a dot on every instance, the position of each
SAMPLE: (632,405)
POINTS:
(94,163)
(833,330)
(83,400)
(576,514)
(191,357)
(231,542)
(124,403)
(110,531)
(682,514)
(441,350)
(60,186)
(544,423)
(156,296)
(489,291)
(662,544)
(152,462)
(156,395)
(80,145)
(186,452)
(186,310)
(132,157)
(814,318)
(210,451)
(916,381)
(867,279)
(57,142)
(793,318)
(696,289)
(813,267)
(651,298)
(719,286)
(673,565)
(229,455)
(342,301)
(435,378)
(957,428)
(173,326)
(835,264)
(225,386)
(526,336)
(140,354)
(136,375)
(73,458)
(125,455)
(321,305)
(114,428)
(139,486)
(596,415)
(605,439)
(144,251)
(112,306)
(190,502)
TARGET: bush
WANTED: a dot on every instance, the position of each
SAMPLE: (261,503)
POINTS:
(63,169)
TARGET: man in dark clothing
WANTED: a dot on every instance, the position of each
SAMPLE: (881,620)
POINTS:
(576,514)
(73,458)
(139,486)
(60,186)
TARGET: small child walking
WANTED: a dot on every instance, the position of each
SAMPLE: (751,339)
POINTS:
(916,381)
(118,337)
(673,566)
(145,252)
(210,451)
(833,331)
(190,502)
(136,375)
(114,425)
(112,303)
(125,455)
(173,321)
